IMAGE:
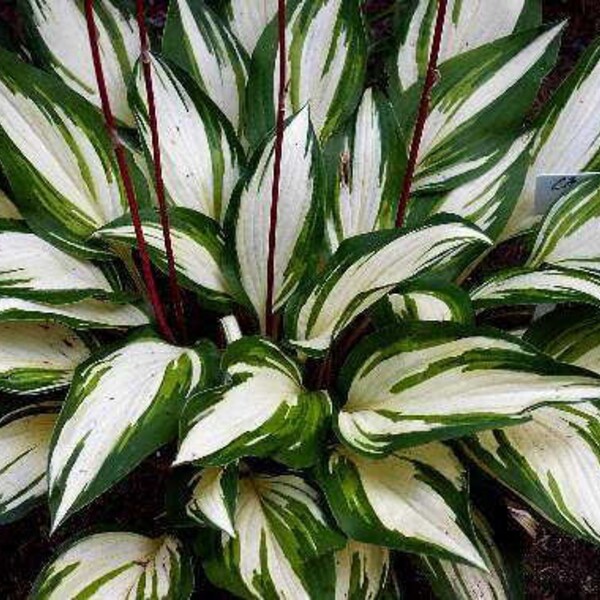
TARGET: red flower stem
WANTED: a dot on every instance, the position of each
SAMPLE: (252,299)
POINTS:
(125,176)
(423,112)
(269,316)
(175,292)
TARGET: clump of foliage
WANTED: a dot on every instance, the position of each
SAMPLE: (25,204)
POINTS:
(323,238)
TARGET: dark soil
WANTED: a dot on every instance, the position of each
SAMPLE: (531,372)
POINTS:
(583,27)
(556,567)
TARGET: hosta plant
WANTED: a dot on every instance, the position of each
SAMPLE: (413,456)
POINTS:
(230,245)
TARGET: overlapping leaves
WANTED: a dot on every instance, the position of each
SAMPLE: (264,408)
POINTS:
(284,420)
(118,564)
(58,158)
(250,418)
(425,382)
(142,385)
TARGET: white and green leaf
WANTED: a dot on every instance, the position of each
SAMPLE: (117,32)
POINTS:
(24,444)
(486,201)
(213,496)
(197,40)
(58,158)
(263,410)
(117,565)
(33,269)
(356,572)
(567,136)
(279,529)
(469,24)
(414,500)
(38,357)
(85,314)
(361,571)
(248,20)
(198,249)
(567,237)
(478,107)
(569,334)
(365,269)
(122,405)
(454,581)
(552,462)
(365,167)
(531,286)
(423,382)
(201,159)
(326,61)
(299,211)
(429,301)
(70,57)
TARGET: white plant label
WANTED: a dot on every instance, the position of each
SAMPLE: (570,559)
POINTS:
(551,188)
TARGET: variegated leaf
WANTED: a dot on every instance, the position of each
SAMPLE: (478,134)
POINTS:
(24,442)
(248,20)
(282,419)
(36,358)
(85,314)
(213,497)
(58,158)
(198,248)
(568,235)
(569,334)
(478,106)
(279,528)
(568,135)
(530,286)
(231,328)
(326,56)
(414,500)
(553,462)
(365,269)
(365,167)
(361,571)
(422,301)
(422,382)
(122,405)
(486,201)
(299,212)
(197,41)
(469,24)
(356,572)
(453,581)
(117,565)
(33,269)
(8,210)
(70,57)
(201,158)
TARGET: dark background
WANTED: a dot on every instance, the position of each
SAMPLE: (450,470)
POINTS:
(556,566)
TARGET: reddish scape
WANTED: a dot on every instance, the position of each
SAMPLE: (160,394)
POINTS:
(125,176)
(175,292)
(176,298)
(270,317)
(423,111)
